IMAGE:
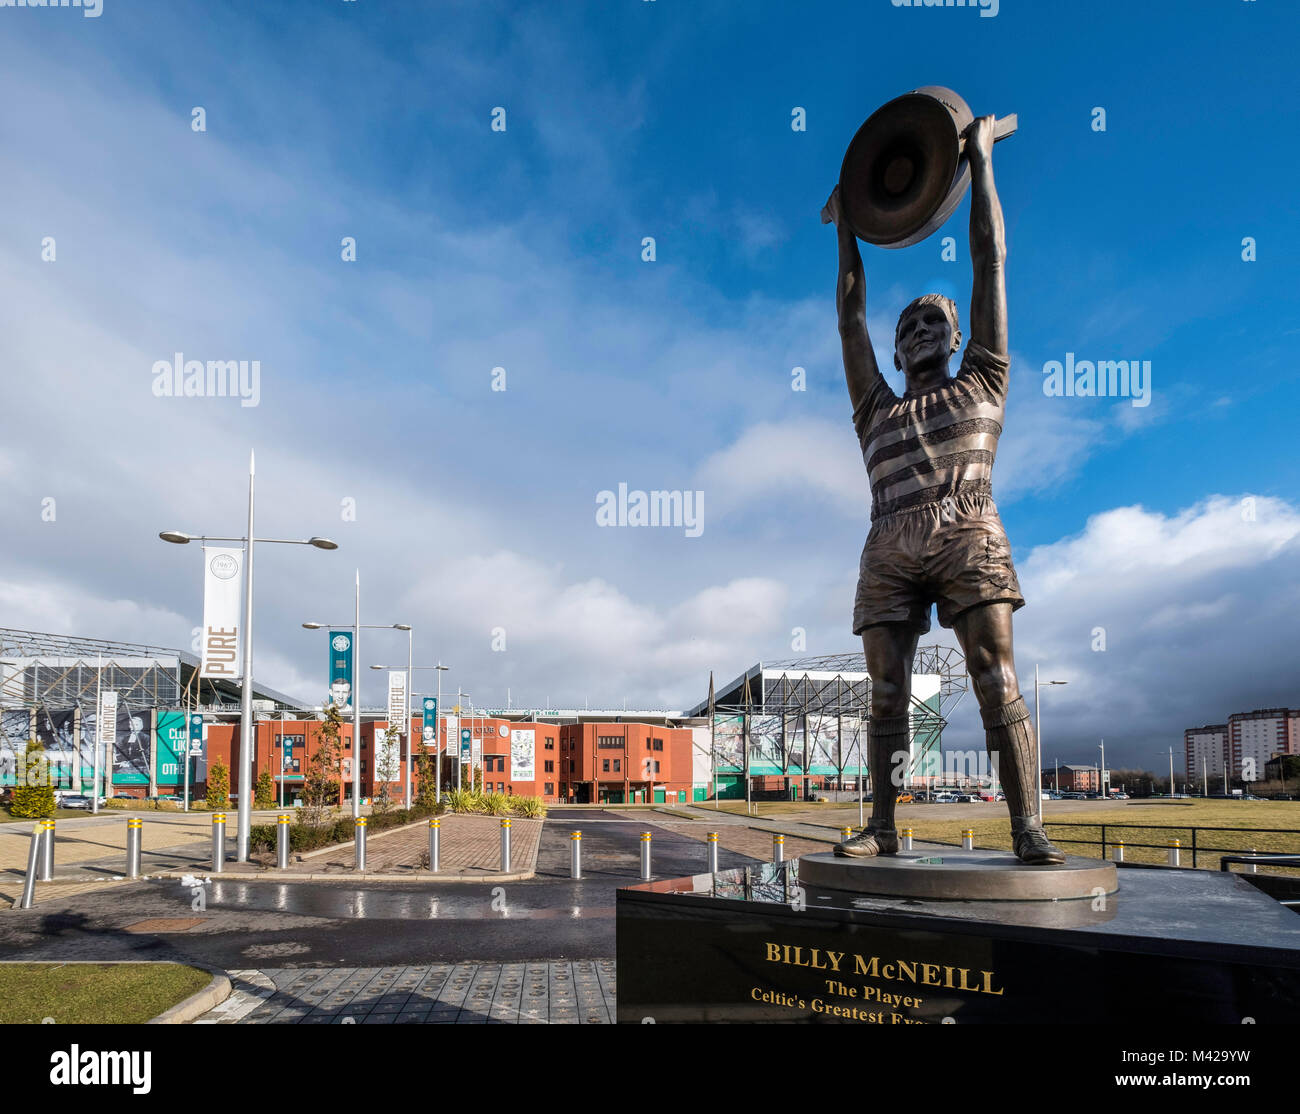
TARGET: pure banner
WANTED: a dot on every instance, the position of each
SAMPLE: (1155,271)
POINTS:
(221,619)
(397,713)
(341,670)
(523,754)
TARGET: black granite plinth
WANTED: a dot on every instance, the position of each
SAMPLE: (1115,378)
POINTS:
(753,945)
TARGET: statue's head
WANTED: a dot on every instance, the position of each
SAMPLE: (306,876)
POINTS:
(927,335)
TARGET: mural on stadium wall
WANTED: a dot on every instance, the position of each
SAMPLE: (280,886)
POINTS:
(131,748)
(15,730)
(796,745)
(54,731)
(823,743)
(729,741)
(765,745)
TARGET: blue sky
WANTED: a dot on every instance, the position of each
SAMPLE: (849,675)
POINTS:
(522,249)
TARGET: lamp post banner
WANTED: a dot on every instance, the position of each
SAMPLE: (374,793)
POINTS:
(430,725)
(397,714)
(222,626)
(341,669)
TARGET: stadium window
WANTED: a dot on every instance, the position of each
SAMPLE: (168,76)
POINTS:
(617,768)
(550,767)
(550,789)
(605,766)
(656,767)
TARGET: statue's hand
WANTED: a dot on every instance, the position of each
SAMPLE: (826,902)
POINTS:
(979,140)
(831,210)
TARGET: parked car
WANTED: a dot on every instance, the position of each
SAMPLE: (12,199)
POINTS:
(75,800)
(905,798)
(945,798)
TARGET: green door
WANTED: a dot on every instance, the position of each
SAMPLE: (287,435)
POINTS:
(659,797)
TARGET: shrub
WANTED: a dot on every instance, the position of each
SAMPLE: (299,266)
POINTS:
(114,803)
(34,801)
(218,786)
(495,804)
(531,808)
(462,800)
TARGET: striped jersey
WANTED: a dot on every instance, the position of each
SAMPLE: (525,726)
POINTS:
(931,445)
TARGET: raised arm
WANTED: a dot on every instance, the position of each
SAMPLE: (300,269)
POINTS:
(988,243)
(860,368)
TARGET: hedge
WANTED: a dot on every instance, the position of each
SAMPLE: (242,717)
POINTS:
(305,837)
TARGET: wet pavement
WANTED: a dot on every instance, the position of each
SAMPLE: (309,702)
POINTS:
(247,925)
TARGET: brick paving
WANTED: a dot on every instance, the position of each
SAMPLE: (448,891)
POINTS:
(467,845)
(734,837)
(542,992)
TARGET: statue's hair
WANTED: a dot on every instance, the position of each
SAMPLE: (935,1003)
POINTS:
(946,304)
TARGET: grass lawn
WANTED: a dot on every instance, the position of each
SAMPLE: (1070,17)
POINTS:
(1156,823)
(93,993)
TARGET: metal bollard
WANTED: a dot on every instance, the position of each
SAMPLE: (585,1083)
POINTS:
(435,844)
(575,854)
(1252,868)
(505,843)
(33,865)
(282,842)
(906,837)
(134,834)
(968,839)
(1174,845)
(218,842)
(645,856)
(778,847)
(846,834)
(713,852)
(360,844)
(1119,850)
(47,851)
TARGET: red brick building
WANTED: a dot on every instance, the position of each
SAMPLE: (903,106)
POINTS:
(577,762)
(624,763)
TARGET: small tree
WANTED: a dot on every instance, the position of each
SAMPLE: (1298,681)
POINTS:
(218,785)
(320,789)
(388,767)
(264,796)
(427,795)
(34,793)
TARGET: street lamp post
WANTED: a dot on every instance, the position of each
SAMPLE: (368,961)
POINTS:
(245,813)
(1038,735)
(439,669)
(1101,773)
(357,627)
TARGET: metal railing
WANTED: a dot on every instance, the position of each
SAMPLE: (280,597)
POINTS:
(1197,846)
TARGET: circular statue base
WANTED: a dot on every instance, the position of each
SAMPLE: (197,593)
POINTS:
(956,875)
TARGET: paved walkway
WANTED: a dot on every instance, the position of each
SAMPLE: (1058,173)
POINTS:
(741,838)
(90,854)
(555,992)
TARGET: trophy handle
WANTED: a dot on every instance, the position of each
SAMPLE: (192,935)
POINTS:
(1002,128)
